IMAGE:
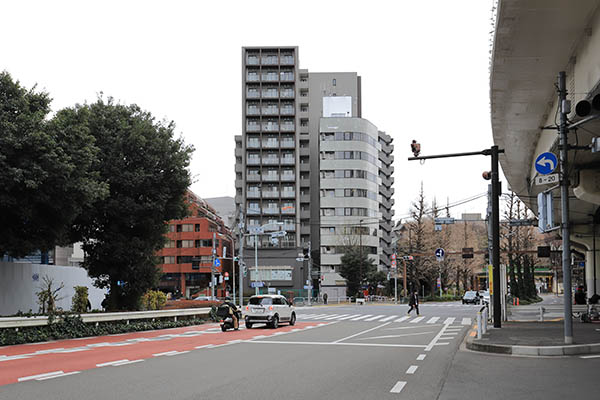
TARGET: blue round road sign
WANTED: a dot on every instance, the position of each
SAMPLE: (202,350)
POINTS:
(217,262)
(545,163)
(439,253)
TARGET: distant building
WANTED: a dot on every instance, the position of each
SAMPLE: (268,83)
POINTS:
(225,208)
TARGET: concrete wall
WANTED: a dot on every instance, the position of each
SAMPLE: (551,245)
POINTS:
(19,283)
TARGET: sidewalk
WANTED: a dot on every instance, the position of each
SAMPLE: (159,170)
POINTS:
(537,339)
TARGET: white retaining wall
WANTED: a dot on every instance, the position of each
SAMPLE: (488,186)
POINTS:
(19,283)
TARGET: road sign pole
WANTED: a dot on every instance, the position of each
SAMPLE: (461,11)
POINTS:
(241,227)
(256,262)
(564,202)
(212,267)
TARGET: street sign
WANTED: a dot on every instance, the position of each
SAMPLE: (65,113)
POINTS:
(274,241)
(437,228)
(439,282)
(217,262)
(442,221)
(278,234)
(307,287)
(299,259)
(256,230)
(439,254)
(547,179)
(545,163)
(257,284)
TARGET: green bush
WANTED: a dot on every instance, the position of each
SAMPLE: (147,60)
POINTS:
(72,326)
(80,299)
(153,300)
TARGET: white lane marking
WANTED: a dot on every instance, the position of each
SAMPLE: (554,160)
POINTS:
(259,337)
(398,387)
(374,318)
(412,369)
(594,356)
(421,357)
(449,321)
(127,363)
(111,363)
(432,320)
(402,319)
(28,378)
(204,346)
(166,353)
(58,376)
(336,316)
(74,350)
(361,317)
(408,327)
(348,317)
(46,351)
(466,321)
(235,341)
(418,319)
(361,333)
(446,338)
(309,316)
(394,336)
(413,346)
(10,358)
(387,318)
(442,344)
(436,338)
(177,353)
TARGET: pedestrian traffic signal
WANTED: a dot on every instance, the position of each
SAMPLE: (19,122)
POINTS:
(543,251)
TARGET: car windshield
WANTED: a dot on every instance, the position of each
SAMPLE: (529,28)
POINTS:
(470,294)
(261,301)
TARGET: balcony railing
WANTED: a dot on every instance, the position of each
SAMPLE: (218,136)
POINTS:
(289,227)
(287,94)
(253,161)
(287,77)
(271,94)
(270,178)
(270,210)
(270,195)
(252,60)
(287,111)
(252,128)
(270,127)
(253,178)
(288,194)
(287,127)
(270,160)
(288,177)
(288,210)
(270,77)
(288,161)
(270,110)
(253,111)
(252,78)
(253,211)
(253,94)
(270,145)
(288,144)
(268,60)
(287,60)
(253,144)
(253,194)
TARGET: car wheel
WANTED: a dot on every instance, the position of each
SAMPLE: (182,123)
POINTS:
(293,319)
(275,322)
(248,324)
(463,302)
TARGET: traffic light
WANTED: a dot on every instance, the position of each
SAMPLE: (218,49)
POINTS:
(543,251)
(306,253)
(585,107)
(486,257)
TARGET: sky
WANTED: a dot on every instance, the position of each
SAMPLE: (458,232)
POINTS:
(424,68)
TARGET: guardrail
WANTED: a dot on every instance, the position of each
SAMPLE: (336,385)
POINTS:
(20,322)
(541,310)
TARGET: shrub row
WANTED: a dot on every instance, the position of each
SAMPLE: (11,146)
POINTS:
(72,326)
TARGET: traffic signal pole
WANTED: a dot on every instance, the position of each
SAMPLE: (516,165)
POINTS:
(241,227)
(494,151)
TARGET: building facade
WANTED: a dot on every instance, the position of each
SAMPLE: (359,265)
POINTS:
(278,165)
(187,257)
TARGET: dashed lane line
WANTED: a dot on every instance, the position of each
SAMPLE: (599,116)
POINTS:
(432,320)
(58,376)
(127,362)
(449,321)
(29,378)
(418,319)
(412,369)
(398,387)
(166,353)
(421,357)
(106,364)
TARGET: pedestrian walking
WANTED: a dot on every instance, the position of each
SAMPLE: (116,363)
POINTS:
(413,302)
(324,298)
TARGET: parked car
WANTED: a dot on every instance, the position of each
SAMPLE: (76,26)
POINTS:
(270,309)
(485,296)
(202,298)
(471,297)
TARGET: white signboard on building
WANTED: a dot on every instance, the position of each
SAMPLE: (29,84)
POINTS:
(337,106)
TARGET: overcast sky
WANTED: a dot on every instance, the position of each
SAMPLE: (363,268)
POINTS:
(424,67)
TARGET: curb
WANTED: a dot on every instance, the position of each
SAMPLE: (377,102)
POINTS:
(539,351)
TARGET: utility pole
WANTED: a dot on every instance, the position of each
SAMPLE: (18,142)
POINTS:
(256,262)
(309,280)
(212,267)
(564,202)
(241,263)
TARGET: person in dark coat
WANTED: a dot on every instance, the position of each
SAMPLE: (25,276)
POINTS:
(324,298)
(413,302)
(580,295)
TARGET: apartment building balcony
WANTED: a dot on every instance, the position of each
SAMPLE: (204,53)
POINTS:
(305,230)
(270,178)
(289,227)
(288,194)
(269,60)
(270,210)
(288,177)
(287,127)
(270,77)
(253,211)
(288,144)
(252,60)
(253,194)
(252,127)
(288,161)
(270,194)
(239,167)
(253,144)
(270,93)
(287,94)
(253,161)
(304,167)
(287,77)
(288,210)
(270,127)
(304,182)
(270,144)
(286,60)
(270,160)
(252,77)
(252,111)
(305,213)
(288,111)
(304,151)
(253,94)
(253,178)
(270,110)
(304,129)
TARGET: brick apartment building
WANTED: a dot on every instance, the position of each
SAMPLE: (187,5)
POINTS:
(187,255)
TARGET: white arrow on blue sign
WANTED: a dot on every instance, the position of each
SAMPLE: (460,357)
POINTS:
(439,253)
(217,262)
(545,163)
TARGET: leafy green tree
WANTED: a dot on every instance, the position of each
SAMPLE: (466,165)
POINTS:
(46,177)
(356,267)
(146,170)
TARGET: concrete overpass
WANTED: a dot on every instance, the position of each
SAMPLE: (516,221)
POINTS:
(533,41)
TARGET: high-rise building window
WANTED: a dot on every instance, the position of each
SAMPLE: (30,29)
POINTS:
(334,82)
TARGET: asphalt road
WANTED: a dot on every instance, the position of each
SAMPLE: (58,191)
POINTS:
(336,352)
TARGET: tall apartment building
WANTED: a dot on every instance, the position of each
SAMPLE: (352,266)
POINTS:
(278,162)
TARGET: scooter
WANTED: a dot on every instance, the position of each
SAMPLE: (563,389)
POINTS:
(226,321)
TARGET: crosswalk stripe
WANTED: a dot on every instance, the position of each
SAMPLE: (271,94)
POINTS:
(374,318)
(418,319)
(449,320)
(348,317)
(336,316)
(402,319)
(387,318)
(433,320)
(361,317)
(466,321)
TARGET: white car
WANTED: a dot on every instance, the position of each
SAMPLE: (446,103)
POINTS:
(270,309)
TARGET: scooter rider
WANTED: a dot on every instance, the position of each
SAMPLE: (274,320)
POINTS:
(233,312)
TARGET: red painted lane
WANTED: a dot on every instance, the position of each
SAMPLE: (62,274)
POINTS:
(12,370)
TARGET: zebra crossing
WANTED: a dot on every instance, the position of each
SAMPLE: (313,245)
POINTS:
(385,318)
